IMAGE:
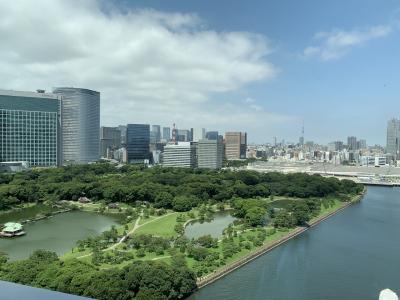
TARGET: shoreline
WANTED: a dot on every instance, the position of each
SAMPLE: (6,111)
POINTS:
(218,274)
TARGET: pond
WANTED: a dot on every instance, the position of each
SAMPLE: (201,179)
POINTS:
(214,227)
(22,214)
(58,233)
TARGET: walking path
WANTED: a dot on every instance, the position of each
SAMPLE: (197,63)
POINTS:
(123,239)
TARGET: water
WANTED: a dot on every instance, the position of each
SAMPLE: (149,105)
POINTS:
(215,227)
(30,212)
(352,255)
(11,291)
(58,234)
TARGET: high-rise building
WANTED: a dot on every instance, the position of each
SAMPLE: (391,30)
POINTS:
(122,129)
(393,138)
(235,145)
(137,143)
(110,139)
(209,154)
(198,134)
(361,144)
(352,143)
(335,146)
(80,122)
(166,134)
(212,135)
(182,154)
(183,135)
(30,128)
(157,132)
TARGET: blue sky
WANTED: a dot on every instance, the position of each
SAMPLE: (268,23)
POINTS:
(352,95)
(264,67)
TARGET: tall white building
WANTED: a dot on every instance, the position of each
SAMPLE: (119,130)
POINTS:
(209,154)
(181,155)
(198,134)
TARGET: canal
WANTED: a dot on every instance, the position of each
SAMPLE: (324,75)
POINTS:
(58,233)
(352,255)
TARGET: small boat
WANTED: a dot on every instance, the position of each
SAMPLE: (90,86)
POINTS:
(12,229)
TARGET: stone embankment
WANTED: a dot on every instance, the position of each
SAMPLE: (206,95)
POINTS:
(210,278)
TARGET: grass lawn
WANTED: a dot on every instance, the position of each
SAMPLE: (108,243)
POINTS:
(164,226)
(326,211)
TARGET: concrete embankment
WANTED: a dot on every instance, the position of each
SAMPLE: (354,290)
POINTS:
(206,280)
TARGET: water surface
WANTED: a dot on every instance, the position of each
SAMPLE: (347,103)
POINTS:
(214,227)
(58,233)
(352,255)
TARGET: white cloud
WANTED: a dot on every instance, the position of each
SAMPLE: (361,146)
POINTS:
(337,43)
(149,66)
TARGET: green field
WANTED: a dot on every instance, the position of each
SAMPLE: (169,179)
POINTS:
(160,226)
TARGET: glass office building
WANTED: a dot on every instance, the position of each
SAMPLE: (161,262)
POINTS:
(30,128)
(80,124)
(138,143)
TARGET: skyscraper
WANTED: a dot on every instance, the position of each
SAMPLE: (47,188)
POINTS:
(235,145)
(110,139)
(209,154)
(137,143)
(157,132)
(183,135)
(393,138)
(80,122)
(212,135)
(352,143)
(166,134)
(122,129)
(30,128)
(198,134)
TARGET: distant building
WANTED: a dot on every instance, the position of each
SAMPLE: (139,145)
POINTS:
(183,135)
(212,135)
(393,138)
(235,145)
(157,132)
(209,154)
(137,143)
(335,146)
(80,124)
(375,161)
(122,129)
(181,155)
(361,144)
(198,134)
(110,139)
(352,143)
(30,131)
(166,134)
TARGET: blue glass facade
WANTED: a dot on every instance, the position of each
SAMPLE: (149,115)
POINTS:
(138,143)
(30,128)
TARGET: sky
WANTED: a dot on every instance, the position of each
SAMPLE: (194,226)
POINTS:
(265,67)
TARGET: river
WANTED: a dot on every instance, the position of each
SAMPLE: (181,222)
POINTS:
(352,255)
(58,234)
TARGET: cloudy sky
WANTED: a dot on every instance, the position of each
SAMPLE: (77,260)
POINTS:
(260,66)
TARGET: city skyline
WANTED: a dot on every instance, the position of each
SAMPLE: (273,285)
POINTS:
(173,63)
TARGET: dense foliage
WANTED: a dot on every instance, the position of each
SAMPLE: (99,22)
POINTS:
(139,280)
(179,189)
